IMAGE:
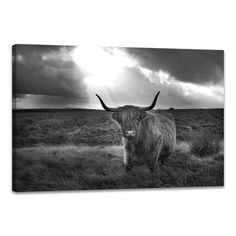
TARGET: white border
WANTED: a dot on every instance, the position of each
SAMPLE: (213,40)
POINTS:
(175,24)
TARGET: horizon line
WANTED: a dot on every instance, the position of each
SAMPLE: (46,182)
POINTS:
(171,108)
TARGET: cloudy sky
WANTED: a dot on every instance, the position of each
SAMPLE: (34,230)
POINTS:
(69,77)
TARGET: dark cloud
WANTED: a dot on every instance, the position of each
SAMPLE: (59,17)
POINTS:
(47,70)
(195,66)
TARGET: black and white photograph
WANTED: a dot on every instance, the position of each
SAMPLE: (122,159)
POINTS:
(117,118)
(94,118)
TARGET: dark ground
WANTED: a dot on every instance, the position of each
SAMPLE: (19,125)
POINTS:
(82,149)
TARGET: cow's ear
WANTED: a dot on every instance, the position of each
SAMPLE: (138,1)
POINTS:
(114,116)
(143,115)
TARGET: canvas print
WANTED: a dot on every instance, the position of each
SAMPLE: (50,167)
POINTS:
(88,118)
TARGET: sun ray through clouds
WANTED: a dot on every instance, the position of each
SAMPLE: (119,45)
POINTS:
(103,68)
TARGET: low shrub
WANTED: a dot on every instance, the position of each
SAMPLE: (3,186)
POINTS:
(204,143)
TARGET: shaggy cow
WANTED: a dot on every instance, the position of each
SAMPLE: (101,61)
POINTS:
(148,137)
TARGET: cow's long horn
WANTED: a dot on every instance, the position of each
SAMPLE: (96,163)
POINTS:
(153,104)
(105,107)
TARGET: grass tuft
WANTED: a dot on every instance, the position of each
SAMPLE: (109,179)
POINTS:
(204,143)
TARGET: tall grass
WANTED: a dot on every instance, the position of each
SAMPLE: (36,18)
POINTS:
(204,143)
(87,168)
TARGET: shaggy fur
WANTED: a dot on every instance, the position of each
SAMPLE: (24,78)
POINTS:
(154,136)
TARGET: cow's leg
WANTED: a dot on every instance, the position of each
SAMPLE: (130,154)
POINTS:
(128,163)
(128,156)
(154,156)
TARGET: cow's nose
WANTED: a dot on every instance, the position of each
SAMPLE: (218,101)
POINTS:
(129,133)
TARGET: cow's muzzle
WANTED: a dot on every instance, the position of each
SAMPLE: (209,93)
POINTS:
(129,133)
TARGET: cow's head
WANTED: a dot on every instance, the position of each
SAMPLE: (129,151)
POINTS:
(129,117)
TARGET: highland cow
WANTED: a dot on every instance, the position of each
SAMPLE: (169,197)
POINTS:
(149,137)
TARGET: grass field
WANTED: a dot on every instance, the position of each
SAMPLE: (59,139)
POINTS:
(82,149)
